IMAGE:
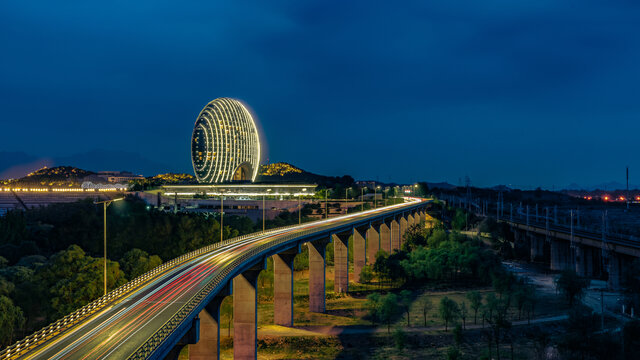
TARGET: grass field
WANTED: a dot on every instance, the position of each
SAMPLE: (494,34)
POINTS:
(346,311)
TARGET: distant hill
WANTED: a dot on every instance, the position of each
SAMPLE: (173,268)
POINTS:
(287,173)
(14,165)
(59,176)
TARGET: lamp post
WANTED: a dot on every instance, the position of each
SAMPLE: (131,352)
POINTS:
(105,204)
(346,200)
(326,210)
(300,209)
(375,196)
(362,199)
(263,209)
(221,215)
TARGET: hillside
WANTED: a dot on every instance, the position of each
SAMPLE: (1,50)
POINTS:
(59,176)
(286,173)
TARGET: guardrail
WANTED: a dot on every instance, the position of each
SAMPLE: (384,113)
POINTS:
(76,317)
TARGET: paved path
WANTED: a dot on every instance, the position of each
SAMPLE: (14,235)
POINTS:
(274,330)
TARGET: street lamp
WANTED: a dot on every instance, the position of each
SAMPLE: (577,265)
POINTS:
(375,196)
(326,210)
(106,203)
(299,209)
(263,208)
(221,215)
(346,200)
(362,199)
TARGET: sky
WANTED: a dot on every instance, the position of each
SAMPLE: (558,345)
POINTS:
(526,93)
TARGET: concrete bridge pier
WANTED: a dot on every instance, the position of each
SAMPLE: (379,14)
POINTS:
(340,262)
(385,236)
(411,220)
(359,251)
(579,260)
(283,287)
(395,235)
(560,255)
(209,345)
(245,314)
(537,247)
(403,228)
(317,276)
(615,271)
(373,243)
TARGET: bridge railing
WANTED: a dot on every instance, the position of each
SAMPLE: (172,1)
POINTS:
(84,312)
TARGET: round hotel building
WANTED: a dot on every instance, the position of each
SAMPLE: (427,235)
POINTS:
(225,145)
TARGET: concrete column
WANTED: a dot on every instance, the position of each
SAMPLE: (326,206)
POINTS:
(579,260)
(245,315)
(537,250)
(359,252)
(615,262)
(555,255)
(373,244)
(340,262)
(209,345)
(395,235)
(385,237)
(403,229)
(588,261)
(283,288)
(317,275)
(410,220)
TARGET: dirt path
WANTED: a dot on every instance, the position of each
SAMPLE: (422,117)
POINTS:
(274,330)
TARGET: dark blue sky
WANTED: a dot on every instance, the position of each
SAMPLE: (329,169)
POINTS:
(516,92)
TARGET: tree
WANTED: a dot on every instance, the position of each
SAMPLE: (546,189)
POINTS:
(405,304)
(475,302)
(571,285)
(388,309)
(448,310)
(414,236)
(373,304)
(453,353)
(463,314)
(136,262)
(226,311)
(400,338)
(76,279)
(11,319)
(426,306)
(457,334)
(366,275)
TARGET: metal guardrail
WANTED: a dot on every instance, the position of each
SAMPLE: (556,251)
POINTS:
(50,331)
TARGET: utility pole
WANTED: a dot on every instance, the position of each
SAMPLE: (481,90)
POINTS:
(105,204)
(222,216)
(627,188)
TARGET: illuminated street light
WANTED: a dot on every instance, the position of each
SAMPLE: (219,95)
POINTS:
(346,200)
(299,209)
(106,203)
(375,196)
(263,209)
(221,215)
(326,210)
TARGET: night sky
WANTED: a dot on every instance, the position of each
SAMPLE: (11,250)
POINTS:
(527,93)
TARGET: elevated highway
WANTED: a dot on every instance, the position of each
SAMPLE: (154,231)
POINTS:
(158,313)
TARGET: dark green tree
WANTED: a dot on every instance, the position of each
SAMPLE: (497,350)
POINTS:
(448,310)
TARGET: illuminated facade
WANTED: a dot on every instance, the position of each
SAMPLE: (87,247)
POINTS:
(225,145)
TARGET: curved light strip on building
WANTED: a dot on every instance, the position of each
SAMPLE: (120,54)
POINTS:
(225,145)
